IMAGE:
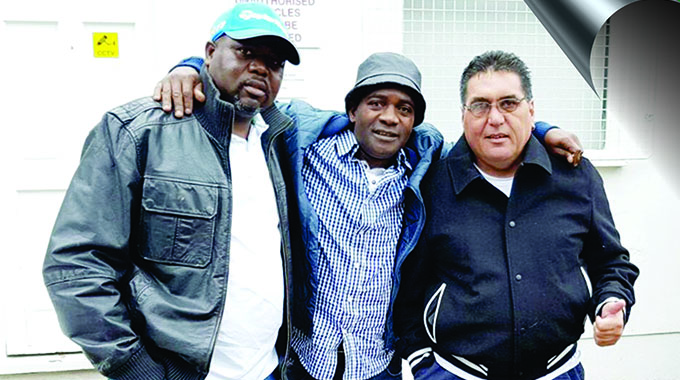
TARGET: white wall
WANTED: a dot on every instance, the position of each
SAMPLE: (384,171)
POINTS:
(55,91)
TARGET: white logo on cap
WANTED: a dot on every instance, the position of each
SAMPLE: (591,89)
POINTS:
(217,27)
(248,14)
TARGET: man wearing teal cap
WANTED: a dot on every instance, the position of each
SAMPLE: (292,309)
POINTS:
(156,266)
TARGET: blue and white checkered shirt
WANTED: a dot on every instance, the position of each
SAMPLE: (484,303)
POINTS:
(359,228)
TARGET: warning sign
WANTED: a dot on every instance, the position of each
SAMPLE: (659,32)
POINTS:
(105,45)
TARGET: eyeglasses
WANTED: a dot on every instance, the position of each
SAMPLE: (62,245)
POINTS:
(482,108)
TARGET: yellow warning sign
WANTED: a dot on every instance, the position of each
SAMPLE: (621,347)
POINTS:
(105,45)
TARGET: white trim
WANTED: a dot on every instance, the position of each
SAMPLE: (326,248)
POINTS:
(564,368)
(438,294)
(447,365)
(450,367)
(559,356)
(587,280)
(477,367)
(608,300)
(419,355)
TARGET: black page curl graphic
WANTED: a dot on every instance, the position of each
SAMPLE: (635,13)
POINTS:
(645,61)
(574,24)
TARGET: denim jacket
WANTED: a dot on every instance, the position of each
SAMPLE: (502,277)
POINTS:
(138,260)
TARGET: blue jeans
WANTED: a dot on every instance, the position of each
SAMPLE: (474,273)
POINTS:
(435,372)
(575,373)
(297,372)
(393,371)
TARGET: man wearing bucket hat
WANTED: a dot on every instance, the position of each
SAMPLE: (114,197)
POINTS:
(350,174)
(355,179)
(156,266)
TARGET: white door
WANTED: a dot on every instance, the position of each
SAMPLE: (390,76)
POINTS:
(54,90)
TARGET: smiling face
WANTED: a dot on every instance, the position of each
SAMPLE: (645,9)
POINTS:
(248,73)
(497,138)
(383,122)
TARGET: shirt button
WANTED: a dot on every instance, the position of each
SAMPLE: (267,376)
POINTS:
(518,277)
(512,223)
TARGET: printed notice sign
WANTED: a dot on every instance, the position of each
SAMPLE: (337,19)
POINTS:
(297,16)
(105,45)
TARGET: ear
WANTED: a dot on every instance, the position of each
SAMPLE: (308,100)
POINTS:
(352,114)
(210,48)
(531,110)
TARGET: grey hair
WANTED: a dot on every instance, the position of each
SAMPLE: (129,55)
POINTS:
(496,60)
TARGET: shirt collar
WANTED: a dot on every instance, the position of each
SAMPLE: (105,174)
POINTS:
(463,172)
(346,146)
(254,139)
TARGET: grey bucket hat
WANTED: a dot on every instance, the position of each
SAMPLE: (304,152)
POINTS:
(383,70)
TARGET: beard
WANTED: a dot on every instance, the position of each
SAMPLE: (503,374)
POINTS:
(244,108)
(245,111)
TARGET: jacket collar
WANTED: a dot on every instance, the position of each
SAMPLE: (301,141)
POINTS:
(215,115)
(463,171)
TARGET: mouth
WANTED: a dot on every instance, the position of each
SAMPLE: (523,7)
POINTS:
(255,88)
(496,136)
(385,134)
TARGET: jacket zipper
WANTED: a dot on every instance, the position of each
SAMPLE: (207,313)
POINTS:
(224,153)
(271,156)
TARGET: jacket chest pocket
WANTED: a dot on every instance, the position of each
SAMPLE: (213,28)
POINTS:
(178,222)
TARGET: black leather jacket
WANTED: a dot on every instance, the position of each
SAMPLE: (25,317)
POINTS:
(138,259)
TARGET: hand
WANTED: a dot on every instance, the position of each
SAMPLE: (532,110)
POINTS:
(609,326)
(179,88)
(566,144)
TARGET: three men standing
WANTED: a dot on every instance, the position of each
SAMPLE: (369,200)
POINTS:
(357,184)
(205,247)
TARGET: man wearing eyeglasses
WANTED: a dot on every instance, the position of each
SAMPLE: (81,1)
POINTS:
(502,290)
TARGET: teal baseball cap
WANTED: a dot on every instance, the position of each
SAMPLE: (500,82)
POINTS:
(250,20)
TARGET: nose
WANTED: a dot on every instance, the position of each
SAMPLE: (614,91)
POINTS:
(495,115)
(389,115)
(258,65)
